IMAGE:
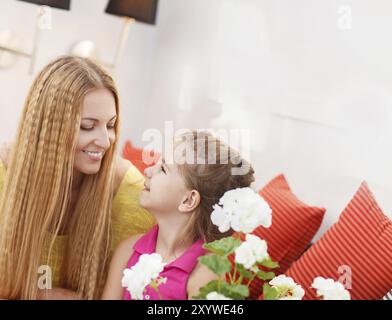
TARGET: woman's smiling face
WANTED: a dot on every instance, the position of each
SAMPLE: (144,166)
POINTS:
(97,130)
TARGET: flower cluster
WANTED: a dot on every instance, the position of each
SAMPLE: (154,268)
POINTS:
(145,272)
(286,288)
(251,251)
(330,290)
(243,210)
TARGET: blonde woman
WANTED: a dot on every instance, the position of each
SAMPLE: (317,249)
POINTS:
(66,198)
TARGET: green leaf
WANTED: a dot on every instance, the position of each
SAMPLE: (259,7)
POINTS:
(209,287)
(235,291)
(268,263)
(269,292)
(218,264)
(243,271)
(224,246)
(265,275)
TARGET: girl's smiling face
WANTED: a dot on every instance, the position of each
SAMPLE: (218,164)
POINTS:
(165,189)
(97,130)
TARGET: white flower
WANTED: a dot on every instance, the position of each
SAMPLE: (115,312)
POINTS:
(139,276)
(216,296)
(330,289)
(251,251)
(221,218)
(135,282)
(287,288)
(258,246)
(243,210)
(244,255)
(151,264)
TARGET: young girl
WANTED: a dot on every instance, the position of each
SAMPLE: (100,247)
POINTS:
(181,197)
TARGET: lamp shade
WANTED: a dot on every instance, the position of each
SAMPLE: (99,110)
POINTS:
(141,10)
(59,4)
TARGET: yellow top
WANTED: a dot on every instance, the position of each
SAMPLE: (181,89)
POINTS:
(128,218)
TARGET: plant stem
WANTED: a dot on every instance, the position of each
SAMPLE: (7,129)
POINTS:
(230,277)
(251,279)
(240,279)
(234,274)
(155,287)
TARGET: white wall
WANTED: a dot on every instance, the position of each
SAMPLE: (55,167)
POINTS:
(86,20)
(316,96)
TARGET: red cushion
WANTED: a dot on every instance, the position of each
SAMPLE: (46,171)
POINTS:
(362,240)
(135,155)
(294,224)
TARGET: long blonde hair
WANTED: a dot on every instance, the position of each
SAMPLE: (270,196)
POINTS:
(37,188)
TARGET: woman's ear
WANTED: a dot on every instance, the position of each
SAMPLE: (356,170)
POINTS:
(190,201)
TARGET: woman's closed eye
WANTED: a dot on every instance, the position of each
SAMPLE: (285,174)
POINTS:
(86,128)
(89,128)
(163,169)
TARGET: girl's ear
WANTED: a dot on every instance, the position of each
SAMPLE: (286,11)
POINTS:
(190,201)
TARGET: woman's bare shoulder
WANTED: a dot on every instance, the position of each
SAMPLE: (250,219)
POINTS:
(126,246)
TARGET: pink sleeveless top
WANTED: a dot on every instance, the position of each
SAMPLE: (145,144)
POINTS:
(177,272)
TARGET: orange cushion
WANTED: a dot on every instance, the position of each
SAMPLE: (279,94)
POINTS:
(362,240)
(135,155)
(294,224)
